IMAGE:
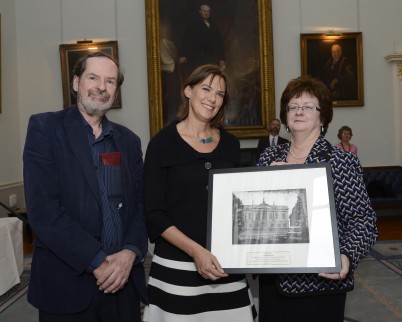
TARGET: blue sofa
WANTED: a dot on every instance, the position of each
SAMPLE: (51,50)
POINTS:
(384,186)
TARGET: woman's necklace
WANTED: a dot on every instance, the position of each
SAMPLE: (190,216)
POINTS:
(199,139)
(207,140)
(343,147)
(290,151)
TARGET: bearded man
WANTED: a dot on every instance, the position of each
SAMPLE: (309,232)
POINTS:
(83,190)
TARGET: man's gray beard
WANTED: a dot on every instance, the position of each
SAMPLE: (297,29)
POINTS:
(92,108)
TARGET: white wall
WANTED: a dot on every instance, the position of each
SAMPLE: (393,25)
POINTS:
(373,124)
(31,80)
(44,24)
(10,135)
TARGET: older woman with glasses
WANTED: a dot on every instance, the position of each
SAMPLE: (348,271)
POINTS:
(306,111)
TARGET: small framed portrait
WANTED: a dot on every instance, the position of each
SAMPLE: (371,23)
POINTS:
(278,219)
(337,60)
(69,55)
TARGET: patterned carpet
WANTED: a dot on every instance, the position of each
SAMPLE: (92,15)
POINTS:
(377,296)
(378,286)
(18,290)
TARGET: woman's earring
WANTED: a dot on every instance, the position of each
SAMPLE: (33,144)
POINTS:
(322,128)
(287,129)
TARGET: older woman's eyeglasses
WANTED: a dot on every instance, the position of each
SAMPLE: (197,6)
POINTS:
(305,108)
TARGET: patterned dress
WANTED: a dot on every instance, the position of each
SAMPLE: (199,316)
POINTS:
(176,193)
(356,219)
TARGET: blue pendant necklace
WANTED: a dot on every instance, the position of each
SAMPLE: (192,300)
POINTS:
(207,140)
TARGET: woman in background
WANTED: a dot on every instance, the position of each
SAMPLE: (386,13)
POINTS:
(345,134)
(306,111)
(186,282)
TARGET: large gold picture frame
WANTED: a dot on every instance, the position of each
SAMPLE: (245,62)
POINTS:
(70,53)
(246,30)
(345,77)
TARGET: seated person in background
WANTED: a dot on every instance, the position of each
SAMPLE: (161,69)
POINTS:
(345,134)
(273,138)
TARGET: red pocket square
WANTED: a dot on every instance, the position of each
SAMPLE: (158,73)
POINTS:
(112,158)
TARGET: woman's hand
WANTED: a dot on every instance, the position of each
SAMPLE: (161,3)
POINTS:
(345,264)
(207,264)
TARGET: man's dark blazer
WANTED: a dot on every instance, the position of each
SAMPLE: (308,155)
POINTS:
(65,209)
(263,143)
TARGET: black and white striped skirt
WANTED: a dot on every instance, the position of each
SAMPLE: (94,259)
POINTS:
(178,293)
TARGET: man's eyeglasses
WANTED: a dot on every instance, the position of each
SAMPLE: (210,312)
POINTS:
(304,108)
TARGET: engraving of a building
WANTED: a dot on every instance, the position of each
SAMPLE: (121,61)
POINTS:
(265,223)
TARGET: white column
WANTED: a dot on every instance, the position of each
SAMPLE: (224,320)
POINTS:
(396,60)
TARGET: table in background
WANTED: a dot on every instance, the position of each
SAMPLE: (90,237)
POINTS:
(21,213)
(11,253)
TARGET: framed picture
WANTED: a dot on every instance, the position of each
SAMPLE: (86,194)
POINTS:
(278,219)
(337,60)
(238,38)
(70,53)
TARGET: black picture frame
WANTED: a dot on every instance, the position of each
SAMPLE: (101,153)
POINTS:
(70,53)
(278,219)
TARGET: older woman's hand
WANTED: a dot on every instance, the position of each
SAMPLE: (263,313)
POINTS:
(345,264)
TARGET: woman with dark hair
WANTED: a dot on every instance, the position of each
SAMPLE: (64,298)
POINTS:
(186,281)
(306,111)
(345,134)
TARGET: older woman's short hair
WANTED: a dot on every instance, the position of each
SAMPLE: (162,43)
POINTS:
(311,86)
(197,77)
(344,128)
